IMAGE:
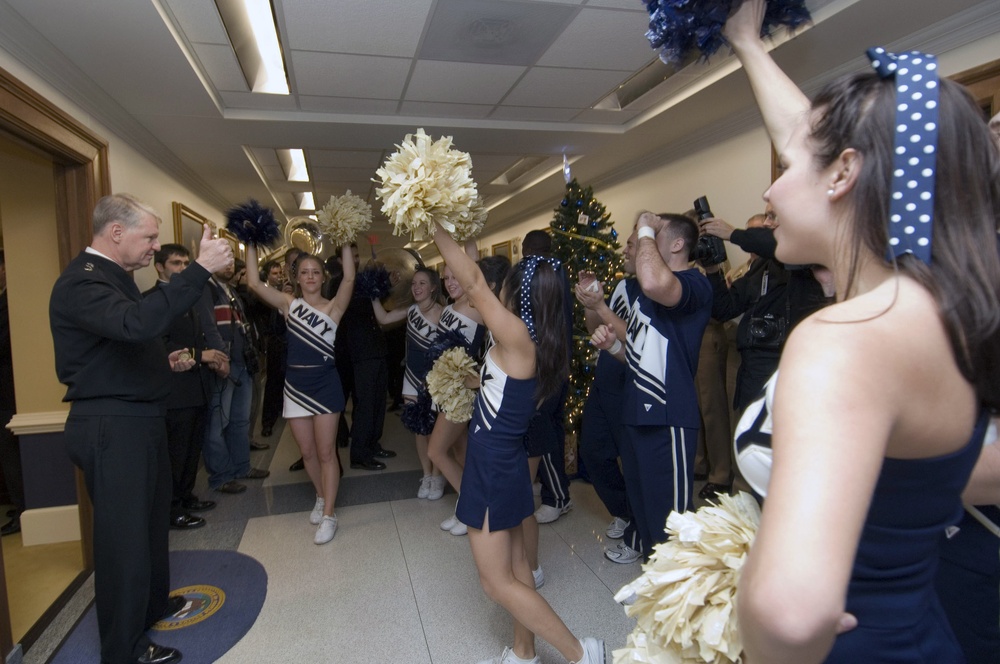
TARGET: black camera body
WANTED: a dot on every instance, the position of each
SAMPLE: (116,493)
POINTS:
(767,331)
(710,250)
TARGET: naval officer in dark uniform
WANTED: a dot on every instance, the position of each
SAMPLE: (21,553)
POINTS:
(110,355)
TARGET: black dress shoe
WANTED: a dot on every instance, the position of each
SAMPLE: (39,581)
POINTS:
(256,474)
(257,447)
(371,464)
(159,655)
(266,431)
(195,505)
(174,606)
(14,525)
(298,465)
(232,486)
(184,521)
(382,453)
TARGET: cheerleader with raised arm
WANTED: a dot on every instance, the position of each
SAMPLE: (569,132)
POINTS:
(314,397)
(527,364)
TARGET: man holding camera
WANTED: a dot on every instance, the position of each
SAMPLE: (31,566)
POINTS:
(771,296)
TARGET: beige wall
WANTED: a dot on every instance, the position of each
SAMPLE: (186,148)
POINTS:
(31,251)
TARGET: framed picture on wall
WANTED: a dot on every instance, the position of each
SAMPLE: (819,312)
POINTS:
(504,249)
(189,226)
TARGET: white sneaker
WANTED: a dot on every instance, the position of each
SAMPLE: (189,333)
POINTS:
(425,486)
(436,487)
(616,529)
(459,529)
(508,657)
(539,577)
(548,513)
(593,651)
(623,554)
(449,523)
(326,530)
(317,514)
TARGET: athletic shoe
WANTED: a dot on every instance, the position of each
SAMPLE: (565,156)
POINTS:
(548,513)
(449,523)
(317,514)
(623,554)
(593,651)
(436,487)
(459,529)
(616,529)
(425,486)
(508,657)
(539,577)
(326,530)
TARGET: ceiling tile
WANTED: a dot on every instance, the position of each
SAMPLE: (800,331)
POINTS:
(461,82)
(565,88)
(388,27)
(257,101)
(592,116)
(364,76)
(602,39)
(222,67)
(328,174)
(344,158)
(199,20)
(493,31)
(348,106)
(425,109)
(534,113)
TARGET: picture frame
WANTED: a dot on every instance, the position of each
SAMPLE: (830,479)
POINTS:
(189,226)
(504,249)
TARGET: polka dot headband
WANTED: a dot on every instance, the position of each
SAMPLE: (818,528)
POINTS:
(911,209)
(527,311)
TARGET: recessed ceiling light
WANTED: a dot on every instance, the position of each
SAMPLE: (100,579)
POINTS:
(305,200)
(253,34)
(293,163)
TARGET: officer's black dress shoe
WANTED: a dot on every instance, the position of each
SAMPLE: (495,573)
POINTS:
(14,526)
(159,655)
(232,486)
(195,505)
(174,605)
(184,521)
(382,453)
(257,447)
(370,464)
(298,465)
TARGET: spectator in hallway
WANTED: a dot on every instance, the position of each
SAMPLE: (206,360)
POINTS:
(227,436)
(110,355)
(666,324)
(275,347)
(194,332)
(257,313)
(361,352)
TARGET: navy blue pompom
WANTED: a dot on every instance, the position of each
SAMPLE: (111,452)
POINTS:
(418,416)
(445,341)
(373,283)
(252,223)
(678,28)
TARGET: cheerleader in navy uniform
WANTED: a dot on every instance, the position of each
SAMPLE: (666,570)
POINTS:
(879,407)
(526,365)
(314,397)
(421,330)
(460,316)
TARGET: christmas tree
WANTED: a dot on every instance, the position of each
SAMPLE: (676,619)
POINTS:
(584,239)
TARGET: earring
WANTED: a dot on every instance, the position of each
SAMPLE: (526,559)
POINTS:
(831,191)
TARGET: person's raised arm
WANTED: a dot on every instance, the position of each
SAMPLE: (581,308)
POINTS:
(780,101)
(340,301)
(387,317)
(596,311)
(656,279)
(277,299)
(508,330)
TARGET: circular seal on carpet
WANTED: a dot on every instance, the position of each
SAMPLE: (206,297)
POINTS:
(223,591)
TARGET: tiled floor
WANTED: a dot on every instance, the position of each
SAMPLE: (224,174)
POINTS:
(391,586)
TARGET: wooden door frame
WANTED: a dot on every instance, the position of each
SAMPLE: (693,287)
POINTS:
(82,176)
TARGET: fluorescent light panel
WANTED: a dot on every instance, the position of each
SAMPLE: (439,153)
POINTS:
(293,163)
(253,34)
(305,200)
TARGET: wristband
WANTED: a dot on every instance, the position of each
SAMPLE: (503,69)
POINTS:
(646,231)
(615,347)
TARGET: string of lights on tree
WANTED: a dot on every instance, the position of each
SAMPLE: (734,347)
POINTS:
(584,239)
